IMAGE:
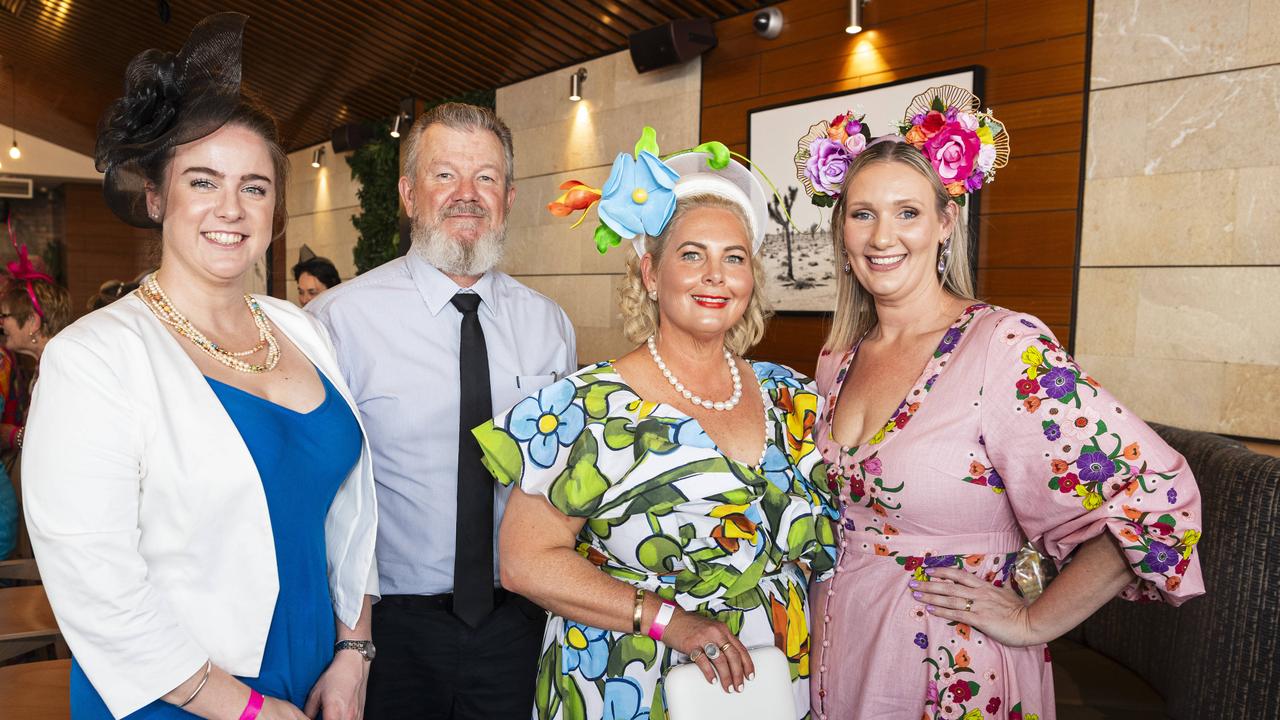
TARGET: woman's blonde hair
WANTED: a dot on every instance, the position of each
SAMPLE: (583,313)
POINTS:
(640,314)
(855,309)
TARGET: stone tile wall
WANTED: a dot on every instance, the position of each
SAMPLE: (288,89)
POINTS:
(1180,258)
(556,140)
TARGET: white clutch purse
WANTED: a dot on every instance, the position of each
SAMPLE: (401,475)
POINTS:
(768,697)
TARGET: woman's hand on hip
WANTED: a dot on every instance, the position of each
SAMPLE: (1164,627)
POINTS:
(691,633)
(999,612)
(339,693)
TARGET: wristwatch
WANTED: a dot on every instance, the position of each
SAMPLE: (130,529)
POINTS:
(364,647)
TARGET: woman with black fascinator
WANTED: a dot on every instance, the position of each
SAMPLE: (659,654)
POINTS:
(199,493)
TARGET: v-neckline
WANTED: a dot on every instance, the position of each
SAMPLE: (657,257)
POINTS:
(676,413)
(919,390)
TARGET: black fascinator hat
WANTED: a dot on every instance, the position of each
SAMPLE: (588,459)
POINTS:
(168,100)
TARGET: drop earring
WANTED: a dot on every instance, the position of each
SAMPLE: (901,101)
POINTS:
(653,295)
(848,268)
(944,257)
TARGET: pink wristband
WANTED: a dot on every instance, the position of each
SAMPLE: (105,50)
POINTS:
(659,624)
(253,707)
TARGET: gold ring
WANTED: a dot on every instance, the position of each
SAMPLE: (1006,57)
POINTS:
(725,647)
(968,606)
(693,656)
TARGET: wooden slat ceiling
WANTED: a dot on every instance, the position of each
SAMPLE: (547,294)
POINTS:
(315,63)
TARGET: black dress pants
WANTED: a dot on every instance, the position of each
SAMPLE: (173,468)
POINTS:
(433,666)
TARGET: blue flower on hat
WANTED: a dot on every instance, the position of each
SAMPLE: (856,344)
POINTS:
(639,196)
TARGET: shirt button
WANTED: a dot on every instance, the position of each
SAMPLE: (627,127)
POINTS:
(844,543)
(822,668)
(826,618)
(826,643)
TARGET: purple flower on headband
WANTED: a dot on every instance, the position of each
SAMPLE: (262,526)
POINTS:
(973,182)
(828,161)
(917,119)
(852,127)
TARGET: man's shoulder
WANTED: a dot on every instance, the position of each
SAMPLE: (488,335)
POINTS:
(525,300)
(392,275)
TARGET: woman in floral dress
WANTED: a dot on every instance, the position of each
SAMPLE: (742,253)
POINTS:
(636,492)
(994,436)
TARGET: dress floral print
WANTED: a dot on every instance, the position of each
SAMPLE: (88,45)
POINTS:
(667,511)
(1002,438)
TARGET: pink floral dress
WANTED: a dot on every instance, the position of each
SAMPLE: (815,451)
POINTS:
(1001,439)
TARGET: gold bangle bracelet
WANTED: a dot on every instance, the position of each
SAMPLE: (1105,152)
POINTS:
(208,665)
(638,613)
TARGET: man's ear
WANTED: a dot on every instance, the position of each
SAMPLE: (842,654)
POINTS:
(406,194)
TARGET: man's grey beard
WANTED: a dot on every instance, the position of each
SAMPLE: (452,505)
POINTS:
(452,257)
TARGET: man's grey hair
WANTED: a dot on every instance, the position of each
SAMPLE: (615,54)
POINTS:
(459,116)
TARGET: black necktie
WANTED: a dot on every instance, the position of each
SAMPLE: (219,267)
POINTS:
(473,553)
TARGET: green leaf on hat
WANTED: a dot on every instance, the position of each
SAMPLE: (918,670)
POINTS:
(718,152)
(648,141)
(606,238)
(937,105)
(823,200)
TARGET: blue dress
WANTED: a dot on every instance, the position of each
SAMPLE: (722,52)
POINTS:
(303,459)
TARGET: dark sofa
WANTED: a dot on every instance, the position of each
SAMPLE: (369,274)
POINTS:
(1217,656)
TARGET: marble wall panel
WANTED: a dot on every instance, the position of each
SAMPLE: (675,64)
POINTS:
(1179,258)
(1137,41)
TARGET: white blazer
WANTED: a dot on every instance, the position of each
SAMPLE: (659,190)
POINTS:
(147,513)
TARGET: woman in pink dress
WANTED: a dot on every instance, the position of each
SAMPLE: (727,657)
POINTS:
(994,437)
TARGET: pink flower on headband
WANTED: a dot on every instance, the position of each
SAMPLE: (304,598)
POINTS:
(952,152)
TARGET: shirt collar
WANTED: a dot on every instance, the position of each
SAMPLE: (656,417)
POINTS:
(437,289)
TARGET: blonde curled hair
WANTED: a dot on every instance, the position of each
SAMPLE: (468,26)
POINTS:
(855,308)
(640,313)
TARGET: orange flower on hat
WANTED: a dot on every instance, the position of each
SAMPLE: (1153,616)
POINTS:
(576,196)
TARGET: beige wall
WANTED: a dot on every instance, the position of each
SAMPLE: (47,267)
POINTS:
(556,140)
(1179,258)
(321,203)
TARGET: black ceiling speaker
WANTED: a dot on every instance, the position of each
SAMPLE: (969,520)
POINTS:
(350,137)
(676,42)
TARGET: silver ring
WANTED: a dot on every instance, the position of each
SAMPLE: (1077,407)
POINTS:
(711,651)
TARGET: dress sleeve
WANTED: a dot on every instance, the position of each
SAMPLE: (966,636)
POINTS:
(82,468)
(546,445)
(1076,463)
(809,535)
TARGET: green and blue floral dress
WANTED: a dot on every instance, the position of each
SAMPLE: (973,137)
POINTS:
(668,512)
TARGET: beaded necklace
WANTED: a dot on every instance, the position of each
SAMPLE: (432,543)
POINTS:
(159,303)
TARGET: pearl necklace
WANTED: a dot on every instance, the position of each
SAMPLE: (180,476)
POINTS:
(729,404)
(155,298)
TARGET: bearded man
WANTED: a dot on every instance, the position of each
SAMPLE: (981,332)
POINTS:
(433,344)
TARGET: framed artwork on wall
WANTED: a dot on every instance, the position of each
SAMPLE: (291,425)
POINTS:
(797,257)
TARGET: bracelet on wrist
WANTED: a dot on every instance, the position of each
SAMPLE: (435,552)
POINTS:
(660,621)
(637,614)
(208,665)
(254,706)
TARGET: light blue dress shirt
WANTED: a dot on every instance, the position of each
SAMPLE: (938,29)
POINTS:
(397,337)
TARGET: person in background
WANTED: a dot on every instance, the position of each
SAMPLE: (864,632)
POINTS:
(109,292)
(33,309)
(314,275)
(433,344)
(199,493)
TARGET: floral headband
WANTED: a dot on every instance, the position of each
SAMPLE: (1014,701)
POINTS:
(823,155)
(963,145)
(639,197)
(25,270)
